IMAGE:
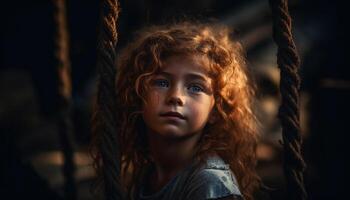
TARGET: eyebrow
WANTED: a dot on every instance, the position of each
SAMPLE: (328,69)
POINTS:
(188,76)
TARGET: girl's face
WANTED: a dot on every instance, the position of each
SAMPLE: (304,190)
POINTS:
(180,98)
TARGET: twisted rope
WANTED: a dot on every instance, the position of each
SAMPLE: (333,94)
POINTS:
(288,62)
(65,125)
(106,108)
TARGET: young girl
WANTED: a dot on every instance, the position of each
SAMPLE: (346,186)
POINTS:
(185,120)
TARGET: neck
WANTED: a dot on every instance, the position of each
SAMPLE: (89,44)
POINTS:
(170,155)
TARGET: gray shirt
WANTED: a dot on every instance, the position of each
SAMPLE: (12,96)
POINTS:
(211,180)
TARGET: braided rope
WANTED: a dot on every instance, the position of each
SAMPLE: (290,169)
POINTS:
(106,112)
(65,125)
(288,62)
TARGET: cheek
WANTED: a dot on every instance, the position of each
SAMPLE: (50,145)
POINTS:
(153,98)
(153,101)
(201,112)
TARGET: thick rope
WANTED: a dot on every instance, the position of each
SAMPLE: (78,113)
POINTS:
(65,125)
(106,112)
(288,62)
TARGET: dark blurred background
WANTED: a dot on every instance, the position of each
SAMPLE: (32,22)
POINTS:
(31,158)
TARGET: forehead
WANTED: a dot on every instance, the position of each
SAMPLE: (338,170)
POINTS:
(186,64)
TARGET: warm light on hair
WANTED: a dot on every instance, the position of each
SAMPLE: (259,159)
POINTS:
(233,135)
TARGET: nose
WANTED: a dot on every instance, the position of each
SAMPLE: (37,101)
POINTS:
(176,96)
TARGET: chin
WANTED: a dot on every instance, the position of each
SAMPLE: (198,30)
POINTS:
(176,135)
(171,133)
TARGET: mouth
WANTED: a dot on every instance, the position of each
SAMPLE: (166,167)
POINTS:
(173,115)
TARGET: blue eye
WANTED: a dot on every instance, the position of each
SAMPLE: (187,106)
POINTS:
(161,83)
(195,89)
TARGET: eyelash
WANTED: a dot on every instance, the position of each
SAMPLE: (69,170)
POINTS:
(200,89)
(165,83)
(159,82)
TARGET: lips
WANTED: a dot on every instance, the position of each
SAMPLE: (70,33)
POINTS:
(172,114)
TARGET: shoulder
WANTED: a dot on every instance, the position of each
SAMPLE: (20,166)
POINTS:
(214,180)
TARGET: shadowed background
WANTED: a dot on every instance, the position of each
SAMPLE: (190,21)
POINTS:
(30,150)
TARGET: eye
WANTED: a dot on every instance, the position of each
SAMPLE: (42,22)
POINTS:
(195,88)
(161,83)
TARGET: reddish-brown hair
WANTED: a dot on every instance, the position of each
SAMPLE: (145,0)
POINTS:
(233,136)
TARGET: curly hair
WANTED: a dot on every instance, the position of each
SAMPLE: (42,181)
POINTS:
(233,136)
